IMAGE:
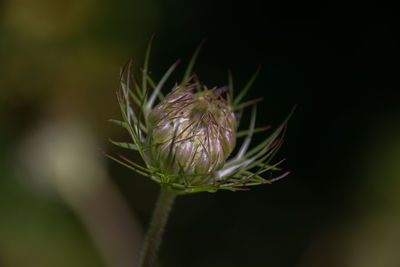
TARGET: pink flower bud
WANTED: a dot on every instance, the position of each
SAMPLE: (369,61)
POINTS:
(191,133)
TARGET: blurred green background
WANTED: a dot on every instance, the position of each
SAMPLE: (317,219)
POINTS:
(63,204)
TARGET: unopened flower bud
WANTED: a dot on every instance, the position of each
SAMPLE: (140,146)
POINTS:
(191,133)
(185,141)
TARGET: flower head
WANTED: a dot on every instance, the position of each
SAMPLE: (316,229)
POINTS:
(187,139)
(191,133)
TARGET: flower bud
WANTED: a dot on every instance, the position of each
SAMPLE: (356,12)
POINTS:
(191,133)
(186,139)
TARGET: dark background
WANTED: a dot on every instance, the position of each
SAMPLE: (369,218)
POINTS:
(337,61)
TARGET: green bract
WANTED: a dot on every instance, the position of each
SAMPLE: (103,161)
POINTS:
(187,138)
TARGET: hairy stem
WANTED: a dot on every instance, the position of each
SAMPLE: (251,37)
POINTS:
(156,229)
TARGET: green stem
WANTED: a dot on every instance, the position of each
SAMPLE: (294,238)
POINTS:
(156,229)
